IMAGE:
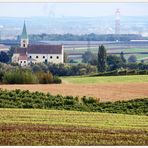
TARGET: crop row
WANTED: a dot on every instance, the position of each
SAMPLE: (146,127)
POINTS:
(27,99)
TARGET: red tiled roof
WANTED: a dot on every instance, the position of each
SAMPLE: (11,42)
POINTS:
(21,50)
(23,57)
(41,49)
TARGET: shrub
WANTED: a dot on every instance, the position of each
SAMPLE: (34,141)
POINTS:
(123,72)
(19,76)
(27,99)
(131,72)
(142,72)
(44,78)
(57,80)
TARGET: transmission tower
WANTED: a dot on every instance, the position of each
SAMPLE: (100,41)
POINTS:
(117,22)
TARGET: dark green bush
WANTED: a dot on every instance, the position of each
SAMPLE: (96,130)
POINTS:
(26,99)
(132,72)
(45,78)
(122,72)
(19,76)
(142,72)
(57,80)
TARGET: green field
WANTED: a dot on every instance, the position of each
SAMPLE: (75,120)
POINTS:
(105,79)
(95,50)
(53,127)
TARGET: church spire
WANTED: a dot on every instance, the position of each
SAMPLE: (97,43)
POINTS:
(24,37)
(24,32)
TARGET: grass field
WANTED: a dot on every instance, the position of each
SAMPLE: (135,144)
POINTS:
(132,50)
(105,79)
(52,127)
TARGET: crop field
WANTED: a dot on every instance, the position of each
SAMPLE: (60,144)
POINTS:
(53,127)
(95,50)
(109,88)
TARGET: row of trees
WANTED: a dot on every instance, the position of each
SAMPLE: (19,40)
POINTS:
(110,62)
(10,74)
(64,69)
(85,37)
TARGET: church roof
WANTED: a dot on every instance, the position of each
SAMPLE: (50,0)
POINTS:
(45,49)
(24,32)
(23,57)
(21,50)
(41,49)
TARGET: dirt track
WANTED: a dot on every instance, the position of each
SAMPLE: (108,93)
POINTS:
(106,92)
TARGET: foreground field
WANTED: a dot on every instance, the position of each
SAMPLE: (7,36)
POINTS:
(51,127)
(109,88)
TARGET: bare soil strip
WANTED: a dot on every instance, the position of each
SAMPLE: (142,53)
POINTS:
(106,92)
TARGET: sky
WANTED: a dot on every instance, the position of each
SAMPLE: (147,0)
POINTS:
(72,9)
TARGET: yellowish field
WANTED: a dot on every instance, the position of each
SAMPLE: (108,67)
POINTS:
(36,127)
(107,91)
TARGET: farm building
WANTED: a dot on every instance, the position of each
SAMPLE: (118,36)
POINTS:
(27,53)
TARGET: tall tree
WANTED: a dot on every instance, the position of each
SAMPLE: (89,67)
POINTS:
(114,62)
(102,59)
(65,57)
(90,58)
(4,58)
(122,57)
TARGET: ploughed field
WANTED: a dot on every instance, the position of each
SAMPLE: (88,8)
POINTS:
(53,127)
(111,88)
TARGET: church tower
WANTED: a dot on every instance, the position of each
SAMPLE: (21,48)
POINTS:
(24,38)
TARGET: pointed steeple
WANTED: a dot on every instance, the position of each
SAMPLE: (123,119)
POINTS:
(24,37)
(24,32)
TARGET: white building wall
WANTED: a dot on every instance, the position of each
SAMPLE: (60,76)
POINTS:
(23,62)
(15,58)
(53,58)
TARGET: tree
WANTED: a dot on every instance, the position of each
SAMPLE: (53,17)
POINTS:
(122,57)
(11,52)
(114,62)
(89,57)
(4,58)
(65,57)
(132,59)
(102,59)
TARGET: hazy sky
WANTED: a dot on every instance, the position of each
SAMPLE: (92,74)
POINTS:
(71,9)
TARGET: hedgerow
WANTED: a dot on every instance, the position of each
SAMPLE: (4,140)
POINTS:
(27,99)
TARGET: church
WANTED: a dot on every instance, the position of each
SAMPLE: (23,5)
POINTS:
(27,53)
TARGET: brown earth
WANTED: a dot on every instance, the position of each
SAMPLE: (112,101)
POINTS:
(107,92)
(51,135)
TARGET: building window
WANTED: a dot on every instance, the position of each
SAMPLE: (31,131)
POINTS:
(21,61)
(30,57)
(50,57)
(24,61)
(57,57)
(45,60)
(43,57)
(23,45)
(37,57)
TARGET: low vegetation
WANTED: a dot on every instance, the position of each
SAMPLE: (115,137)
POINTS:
(17,75)
(95,79)
(26,99)
(36,127)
